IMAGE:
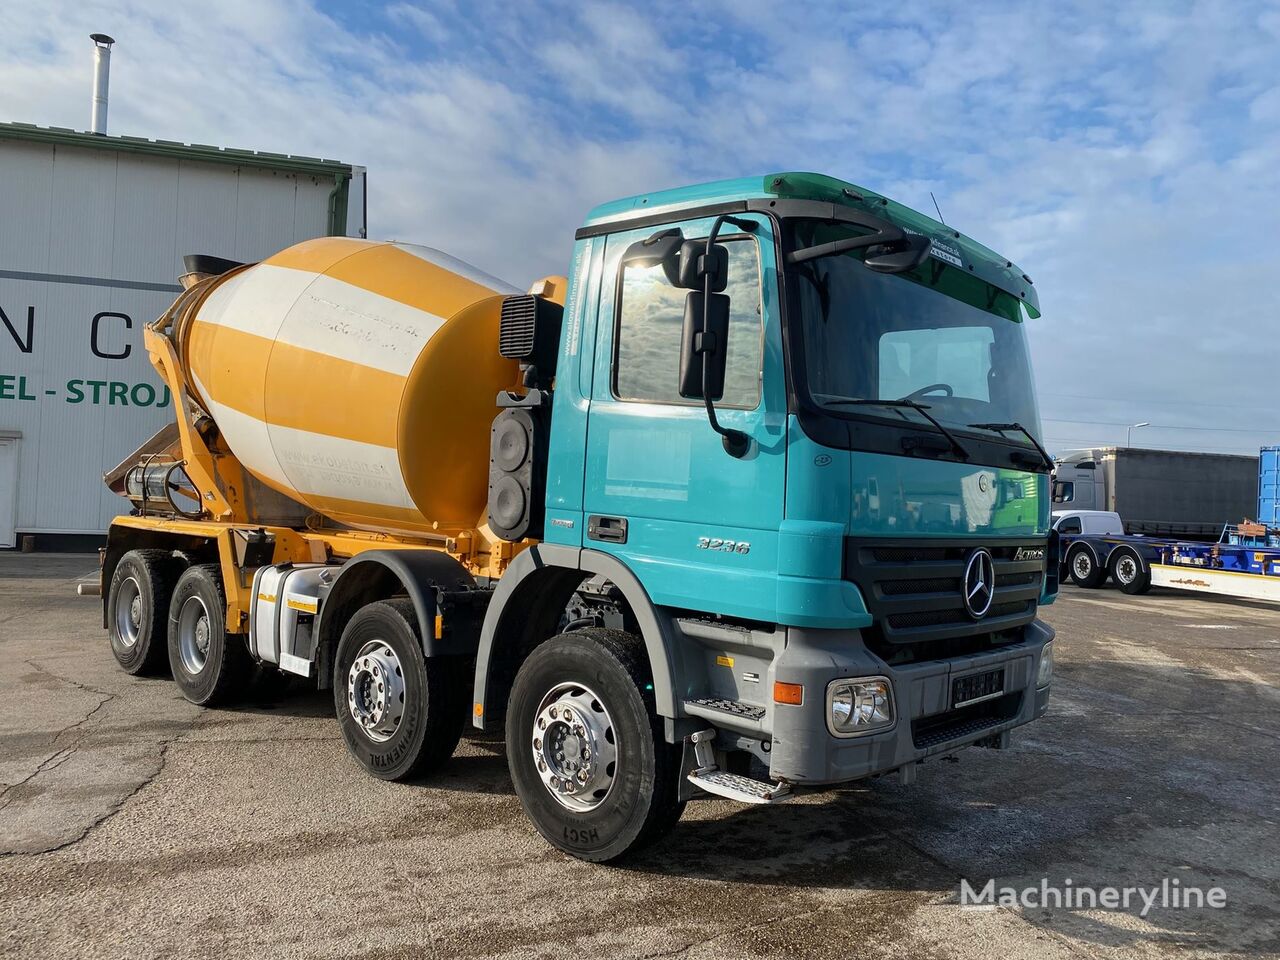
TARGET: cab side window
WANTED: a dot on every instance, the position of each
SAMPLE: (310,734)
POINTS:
(650,316)
(1069,525)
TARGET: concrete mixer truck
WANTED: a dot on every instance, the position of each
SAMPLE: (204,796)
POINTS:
(750,503)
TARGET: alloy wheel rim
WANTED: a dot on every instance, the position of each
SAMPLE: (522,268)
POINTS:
(1126,569)
(128,612)
(574,746)
(195,632)
(375,691)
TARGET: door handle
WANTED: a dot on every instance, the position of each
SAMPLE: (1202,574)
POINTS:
(608,529)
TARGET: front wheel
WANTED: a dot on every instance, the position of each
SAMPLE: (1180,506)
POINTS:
(1128,572)
(1085,570)
(586,748)
(400,713)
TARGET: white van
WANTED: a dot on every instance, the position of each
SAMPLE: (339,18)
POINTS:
(1087,522)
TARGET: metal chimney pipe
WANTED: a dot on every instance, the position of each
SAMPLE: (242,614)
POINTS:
(101,78)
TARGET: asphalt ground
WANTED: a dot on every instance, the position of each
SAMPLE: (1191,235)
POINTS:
(135,824)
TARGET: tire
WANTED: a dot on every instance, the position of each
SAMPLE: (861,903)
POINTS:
(1085,570)
(208,665)
(1128,572)
(138,609)
(604,675)
(392,673)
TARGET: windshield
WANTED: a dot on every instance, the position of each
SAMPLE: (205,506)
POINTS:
(871,336)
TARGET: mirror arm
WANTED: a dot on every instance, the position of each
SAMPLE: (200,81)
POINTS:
(736,443)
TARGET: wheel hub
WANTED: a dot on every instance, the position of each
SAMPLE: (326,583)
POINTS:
(1082,565)
(194,634)
(1126,569)
(129,612)
(573,745)
(375,690)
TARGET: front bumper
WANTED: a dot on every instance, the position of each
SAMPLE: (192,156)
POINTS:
(804,751)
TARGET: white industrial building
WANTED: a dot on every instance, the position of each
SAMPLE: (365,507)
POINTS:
(93,230)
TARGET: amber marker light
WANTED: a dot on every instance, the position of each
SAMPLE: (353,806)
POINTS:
(792,693)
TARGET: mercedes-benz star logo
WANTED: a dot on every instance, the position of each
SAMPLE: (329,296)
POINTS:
(979,583)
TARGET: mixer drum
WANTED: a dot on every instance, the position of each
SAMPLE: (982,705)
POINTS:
(356,377)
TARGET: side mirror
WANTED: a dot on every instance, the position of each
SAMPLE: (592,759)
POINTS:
(663,249)
(694,263)
(900,256)
(703,343)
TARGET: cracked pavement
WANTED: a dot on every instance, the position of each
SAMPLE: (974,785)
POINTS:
(135,824)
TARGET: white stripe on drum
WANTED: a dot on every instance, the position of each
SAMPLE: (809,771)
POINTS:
(255,300)
(247,436)
(335,318)
(323,466)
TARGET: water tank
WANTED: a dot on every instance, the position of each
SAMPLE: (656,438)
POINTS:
(356,377)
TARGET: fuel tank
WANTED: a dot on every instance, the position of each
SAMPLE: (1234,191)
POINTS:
(355,377)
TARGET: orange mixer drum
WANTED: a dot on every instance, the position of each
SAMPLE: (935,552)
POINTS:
(356,377)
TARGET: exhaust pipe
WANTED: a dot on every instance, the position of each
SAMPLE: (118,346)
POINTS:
(101,78)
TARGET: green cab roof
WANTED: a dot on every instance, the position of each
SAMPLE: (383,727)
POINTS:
(960,253)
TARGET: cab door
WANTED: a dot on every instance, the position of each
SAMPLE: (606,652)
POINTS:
(698,526)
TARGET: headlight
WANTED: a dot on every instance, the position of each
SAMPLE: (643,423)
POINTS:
(855,707)
(1045,673)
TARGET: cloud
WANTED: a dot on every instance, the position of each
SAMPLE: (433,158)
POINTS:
(1124,154)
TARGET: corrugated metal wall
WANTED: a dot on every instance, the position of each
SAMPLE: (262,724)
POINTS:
(89,233)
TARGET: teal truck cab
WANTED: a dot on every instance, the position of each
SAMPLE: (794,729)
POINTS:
(779,454)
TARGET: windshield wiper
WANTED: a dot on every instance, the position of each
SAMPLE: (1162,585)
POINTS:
(956,445)
(1006,427)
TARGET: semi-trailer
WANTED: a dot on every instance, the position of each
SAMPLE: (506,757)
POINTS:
(752,501)
(1164,493)
(1245,564)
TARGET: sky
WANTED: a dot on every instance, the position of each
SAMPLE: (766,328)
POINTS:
(1126,155)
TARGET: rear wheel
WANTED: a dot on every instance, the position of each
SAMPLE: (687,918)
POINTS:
(586,748)
(1085,570)
(1128,572)
(138,609)
(401,714)
(208,664)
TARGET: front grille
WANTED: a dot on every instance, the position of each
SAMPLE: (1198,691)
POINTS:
(913,590)
(930,618)
(964,723)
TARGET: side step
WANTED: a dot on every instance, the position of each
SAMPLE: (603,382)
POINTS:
(732,786)
(743,789)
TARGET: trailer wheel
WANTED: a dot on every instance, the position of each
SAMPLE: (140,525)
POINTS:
(1085,570)
(401,714)
(1128,571)
(586,748)
(207,663)
(138,609)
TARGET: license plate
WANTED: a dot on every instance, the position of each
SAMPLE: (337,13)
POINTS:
(976,688)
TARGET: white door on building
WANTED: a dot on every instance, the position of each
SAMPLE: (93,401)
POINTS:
(8,489)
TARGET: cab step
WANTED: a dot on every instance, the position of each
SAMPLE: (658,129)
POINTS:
(732,786)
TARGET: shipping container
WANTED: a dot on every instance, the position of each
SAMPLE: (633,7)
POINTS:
(94,229)
(1269,487)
